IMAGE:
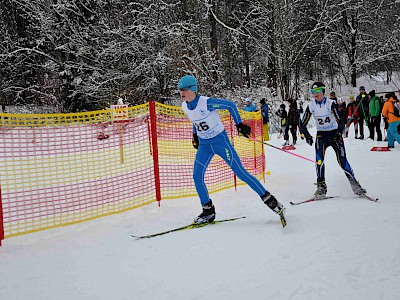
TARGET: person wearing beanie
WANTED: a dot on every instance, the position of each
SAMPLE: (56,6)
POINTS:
(329,134)
(332,96)
(210,138)
(362,101)
(282,114)
(188,82)
(249,106)
(375,116)
(264,112)
(393,130)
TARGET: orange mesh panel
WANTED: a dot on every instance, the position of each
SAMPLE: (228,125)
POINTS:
(174,132)
(60,169)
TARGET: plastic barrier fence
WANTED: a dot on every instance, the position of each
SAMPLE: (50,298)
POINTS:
(61,169)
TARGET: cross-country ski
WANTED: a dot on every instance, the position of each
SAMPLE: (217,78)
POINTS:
(190,226)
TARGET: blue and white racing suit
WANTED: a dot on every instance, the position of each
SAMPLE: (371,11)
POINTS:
(213,139)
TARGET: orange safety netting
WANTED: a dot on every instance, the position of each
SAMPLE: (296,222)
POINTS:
(60,169)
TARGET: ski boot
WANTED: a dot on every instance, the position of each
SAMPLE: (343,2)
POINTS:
(272,203)
(208,214)
(275,205)
(321,190)
(357,189)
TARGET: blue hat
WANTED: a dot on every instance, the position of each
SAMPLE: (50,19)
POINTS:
(362,88)
(188,82)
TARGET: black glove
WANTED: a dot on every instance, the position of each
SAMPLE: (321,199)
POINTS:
(195,141)
(338,137)
(243,129)
(309,140)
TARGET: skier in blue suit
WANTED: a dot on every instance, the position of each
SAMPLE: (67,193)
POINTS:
(210,138)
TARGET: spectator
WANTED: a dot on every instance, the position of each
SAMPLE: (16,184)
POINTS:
(292,122)
(264,112)
(386,124)
(282,114)
(332,96)
(352,117)
(394,122)
(375,116)
(342,108)
(362,102)
(249,106)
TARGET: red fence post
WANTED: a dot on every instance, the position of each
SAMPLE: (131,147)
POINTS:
(1,219)
(233,143)
(154,145)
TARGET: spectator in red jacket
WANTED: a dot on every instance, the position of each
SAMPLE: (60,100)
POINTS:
(352,117)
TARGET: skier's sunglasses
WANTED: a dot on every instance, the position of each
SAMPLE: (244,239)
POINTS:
(185,88)
(317,90)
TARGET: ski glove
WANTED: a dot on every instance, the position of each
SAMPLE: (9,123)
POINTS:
(243,129)
(338,137)
(195,141)
(309,140)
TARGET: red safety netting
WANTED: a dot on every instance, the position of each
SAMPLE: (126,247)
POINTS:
(60,169)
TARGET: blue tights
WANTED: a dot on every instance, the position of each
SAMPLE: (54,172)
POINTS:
(226,151)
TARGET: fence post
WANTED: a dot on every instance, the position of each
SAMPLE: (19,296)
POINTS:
(233,144)
(154,147)
(261,123)
(1,218)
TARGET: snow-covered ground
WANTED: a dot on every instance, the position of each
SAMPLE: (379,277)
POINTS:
(344,248)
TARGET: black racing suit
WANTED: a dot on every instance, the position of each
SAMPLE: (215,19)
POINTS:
(325,139)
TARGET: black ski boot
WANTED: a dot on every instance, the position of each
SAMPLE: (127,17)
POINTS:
(321,190)
(276,207)
(272,203)
(208,214)
(358,189)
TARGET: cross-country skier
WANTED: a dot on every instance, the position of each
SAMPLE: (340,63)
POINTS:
(329,133)
(210,138)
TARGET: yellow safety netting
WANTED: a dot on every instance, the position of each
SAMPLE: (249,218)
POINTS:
(60,169)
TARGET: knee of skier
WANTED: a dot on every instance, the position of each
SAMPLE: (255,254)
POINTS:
(197,172)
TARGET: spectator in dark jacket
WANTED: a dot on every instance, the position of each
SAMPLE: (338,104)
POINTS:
(362,101)
(342,109)
(264,112)
(282,114)
(293,121)
(332,96)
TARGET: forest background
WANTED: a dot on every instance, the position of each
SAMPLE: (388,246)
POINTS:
(75,55)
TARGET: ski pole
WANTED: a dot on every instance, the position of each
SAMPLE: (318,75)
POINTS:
(299,156)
